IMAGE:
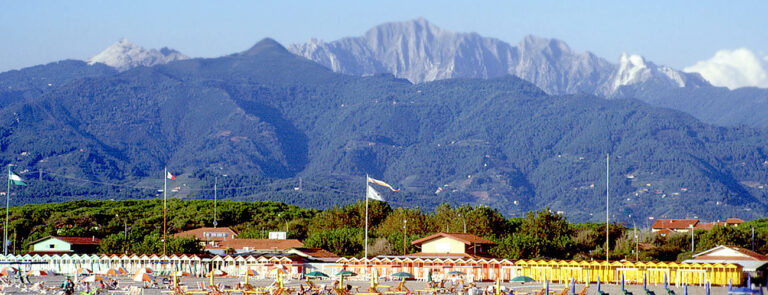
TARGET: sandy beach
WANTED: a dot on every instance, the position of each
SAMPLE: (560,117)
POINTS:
(417,287)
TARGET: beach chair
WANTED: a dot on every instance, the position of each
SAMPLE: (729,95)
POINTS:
(564,292)
(601,292)
(669,291)
(542,292)
(627,292)
(583,291)
(649,292)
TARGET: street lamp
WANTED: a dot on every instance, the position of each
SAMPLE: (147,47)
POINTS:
(464,220)
(405,239)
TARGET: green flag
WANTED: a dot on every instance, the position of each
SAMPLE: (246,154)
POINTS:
(15,179)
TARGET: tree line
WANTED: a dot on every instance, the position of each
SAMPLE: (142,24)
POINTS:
(135,226)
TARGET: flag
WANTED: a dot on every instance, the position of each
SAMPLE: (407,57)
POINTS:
(169,175)
(371,193)
(15,179)
(381,183)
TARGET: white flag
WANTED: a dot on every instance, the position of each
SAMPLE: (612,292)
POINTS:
(381,183)
(373,194)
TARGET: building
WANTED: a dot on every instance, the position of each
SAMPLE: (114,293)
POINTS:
(453,245)
(314,254)
(667,226)
(64,245)
(751,262)
(675,225)
(250,246)
(209,236)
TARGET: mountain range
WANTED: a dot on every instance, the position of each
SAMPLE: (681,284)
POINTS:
(263,118)
(419,51)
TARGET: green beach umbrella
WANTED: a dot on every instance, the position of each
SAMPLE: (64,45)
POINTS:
(522,279)
(346,273)
(316,274)
(456,273)
(402,274)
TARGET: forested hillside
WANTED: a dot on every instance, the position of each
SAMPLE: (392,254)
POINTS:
(259,120)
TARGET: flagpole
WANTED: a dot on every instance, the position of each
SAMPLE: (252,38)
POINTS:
(607,190)
(5,231)
(165,203)
(366,222)
(215,180)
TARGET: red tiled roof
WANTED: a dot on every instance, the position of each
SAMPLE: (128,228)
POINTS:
(258,244)
(708,225)
(200,233)
(79,240)
(468,239)
(431,255)
(674,223)
(317,252)
(751,255)
(734,221)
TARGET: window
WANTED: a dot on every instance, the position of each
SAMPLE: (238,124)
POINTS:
(51,246)
(214,235)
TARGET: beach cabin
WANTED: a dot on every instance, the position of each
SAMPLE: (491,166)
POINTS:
(453,245)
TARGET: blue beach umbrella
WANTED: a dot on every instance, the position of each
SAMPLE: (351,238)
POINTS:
(749,282)
(598,283)
(729,284)
(645,282)
(665,280)
(622,282)
(707,288)
(573,286)
(685,289)
(546,287)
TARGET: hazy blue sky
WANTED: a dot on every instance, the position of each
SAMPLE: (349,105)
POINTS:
(677,33)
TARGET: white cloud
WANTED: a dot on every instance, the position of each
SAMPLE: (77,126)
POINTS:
(733,69)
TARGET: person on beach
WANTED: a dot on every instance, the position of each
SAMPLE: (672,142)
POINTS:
(69,286)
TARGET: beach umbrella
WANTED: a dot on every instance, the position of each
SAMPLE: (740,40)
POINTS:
(402,274)
(142,277)
(622,282)
(182,274)
(83,271)
(218,273)
(38,273)
(112,272)
(644,282)
(706,288)
(573,286)
(729,284)
(8,271)
(429,276)
(122,270)
(685,289)
(92,278)
(598,283)
(665,280)
(456,273)
(346,273)
(248,272)
(143,270)
(546,287)
(522,279)
(316,274)
(749,282)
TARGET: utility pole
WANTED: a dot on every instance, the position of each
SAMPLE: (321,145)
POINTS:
(692,245)
(215,196)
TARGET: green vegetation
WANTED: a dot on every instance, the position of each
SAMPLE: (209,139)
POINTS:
(136,227)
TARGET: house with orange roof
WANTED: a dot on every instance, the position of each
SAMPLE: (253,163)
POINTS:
(209,236)
(459,245)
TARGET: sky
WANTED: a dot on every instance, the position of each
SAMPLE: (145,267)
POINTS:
(681,34)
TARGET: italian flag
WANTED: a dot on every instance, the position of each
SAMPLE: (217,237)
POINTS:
(15,179)
(169,175)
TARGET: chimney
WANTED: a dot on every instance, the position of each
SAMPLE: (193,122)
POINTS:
(93,238)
